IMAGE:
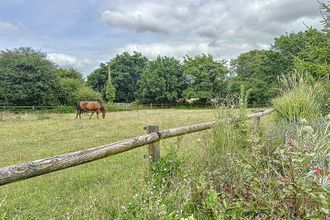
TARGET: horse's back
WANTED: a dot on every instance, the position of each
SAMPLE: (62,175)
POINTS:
(90,105)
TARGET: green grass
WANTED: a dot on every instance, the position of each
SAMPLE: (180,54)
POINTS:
(95,189)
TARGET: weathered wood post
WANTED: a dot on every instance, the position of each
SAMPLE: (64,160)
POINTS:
(256,121)
(153,148)
(256,124)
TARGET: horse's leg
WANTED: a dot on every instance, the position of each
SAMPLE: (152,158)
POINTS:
(80,114)
(77,114)
(91,115)
(97,114)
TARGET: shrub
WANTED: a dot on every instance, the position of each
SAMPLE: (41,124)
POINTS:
(87,93)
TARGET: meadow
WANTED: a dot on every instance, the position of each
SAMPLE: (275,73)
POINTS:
(96,188)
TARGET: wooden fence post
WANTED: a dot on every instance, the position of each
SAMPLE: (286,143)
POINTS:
(256,121)
(256,124)
(153,148)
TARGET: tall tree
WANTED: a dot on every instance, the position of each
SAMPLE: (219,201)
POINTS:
(162,81)
(258,70)
(307,51)
(110,90)
(98,79)
(126,70)
(27,77)
(205,77)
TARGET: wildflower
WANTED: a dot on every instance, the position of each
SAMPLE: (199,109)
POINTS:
(328,179)
(283,180)
(291,144)
(317,170)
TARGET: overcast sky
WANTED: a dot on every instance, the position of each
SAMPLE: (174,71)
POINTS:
(83,33)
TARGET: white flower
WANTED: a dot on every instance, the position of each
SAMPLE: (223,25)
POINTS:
(307,129)
(303,121)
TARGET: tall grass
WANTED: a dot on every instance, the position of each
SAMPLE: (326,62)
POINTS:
(299,100)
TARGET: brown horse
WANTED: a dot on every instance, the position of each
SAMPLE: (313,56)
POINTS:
(90,106)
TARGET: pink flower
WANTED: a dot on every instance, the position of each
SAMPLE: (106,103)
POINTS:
(291,144)
(328,179)
(283,180)
(318,170)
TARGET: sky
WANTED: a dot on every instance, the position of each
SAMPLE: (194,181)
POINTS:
(81,34)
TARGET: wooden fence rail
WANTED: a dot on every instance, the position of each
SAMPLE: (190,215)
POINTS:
(39,167)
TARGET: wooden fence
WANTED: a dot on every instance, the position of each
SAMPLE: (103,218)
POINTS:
(112,107)
(47,165)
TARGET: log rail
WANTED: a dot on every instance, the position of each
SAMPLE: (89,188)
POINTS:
(30,169)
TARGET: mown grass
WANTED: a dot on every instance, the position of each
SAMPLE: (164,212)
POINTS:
(91,190)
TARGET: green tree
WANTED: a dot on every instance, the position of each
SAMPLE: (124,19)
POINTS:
(69,73)
(69,94)
(162,81)
(27,77)
(205,77)
(314,59)
(126,70)
(307,51)
(258,70)
(110,92)
(98,79)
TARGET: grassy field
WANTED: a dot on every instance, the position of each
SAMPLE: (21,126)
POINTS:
(92,189)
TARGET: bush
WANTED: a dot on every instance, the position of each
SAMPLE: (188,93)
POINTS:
(87,93)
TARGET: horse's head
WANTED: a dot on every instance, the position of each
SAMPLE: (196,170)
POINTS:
(103,112)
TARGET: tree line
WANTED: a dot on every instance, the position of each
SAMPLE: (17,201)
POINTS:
(27,77)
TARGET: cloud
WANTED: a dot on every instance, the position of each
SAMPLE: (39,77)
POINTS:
(68,61)
(134,20)
(7,26)
(223,28)
(97,30)
(152,50)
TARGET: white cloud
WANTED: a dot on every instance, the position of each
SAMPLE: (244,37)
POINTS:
(219,49)
(68,61)
(7,26)
(223,28)
(136,20)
